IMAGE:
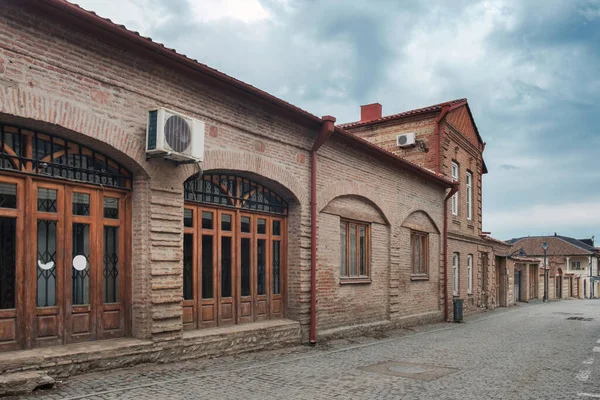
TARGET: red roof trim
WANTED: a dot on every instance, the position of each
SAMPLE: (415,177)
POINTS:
(136,39)
(436,107)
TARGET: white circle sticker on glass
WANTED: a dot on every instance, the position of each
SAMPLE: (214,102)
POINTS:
(45,266)
(79,262)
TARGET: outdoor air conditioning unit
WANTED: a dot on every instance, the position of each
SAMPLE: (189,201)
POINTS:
(174,136)
(406,140)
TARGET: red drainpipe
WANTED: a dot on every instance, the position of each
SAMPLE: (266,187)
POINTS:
(437,134)
(326,130)
(453,190)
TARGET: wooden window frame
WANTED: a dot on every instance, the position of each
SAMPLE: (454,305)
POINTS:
(456,277)
(470,274)
(347,278)
(416,274)
(455,177)
(469,186)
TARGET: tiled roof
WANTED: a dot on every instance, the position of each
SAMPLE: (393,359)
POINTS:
(525,259)
(491,239)
(66,8)
(557,246)
(424,110)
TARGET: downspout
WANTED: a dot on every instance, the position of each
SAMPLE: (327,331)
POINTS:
(453,190)
(326,130)
(437,133)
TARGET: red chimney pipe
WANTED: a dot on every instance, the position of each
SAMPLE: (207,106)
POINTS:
(370,112)
(326,130)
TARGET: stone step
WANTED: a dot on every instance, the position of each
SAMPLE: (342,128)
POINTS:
(19,383)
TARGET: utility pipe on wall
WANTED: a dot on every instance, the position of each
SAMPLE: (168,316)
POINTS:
(453,190)
(326,130)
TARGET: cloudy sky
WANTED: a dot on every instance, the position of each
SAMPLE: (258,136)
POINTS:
(530,69)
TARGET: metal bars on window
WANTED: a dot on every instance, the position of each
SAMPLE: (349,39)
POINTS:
(235,192)
(43,154)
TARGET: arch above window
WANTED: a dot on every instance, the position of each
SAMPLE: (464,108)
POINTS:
(39,153)
(235,192)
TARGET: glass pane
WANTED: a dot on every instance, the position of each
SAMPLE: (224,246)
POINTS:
(80,264)
(276,227)
(245,224)
(225,266)
(246,260)
(417,254)
(47,200)
(353,250)
(188,217)
(111,208)
(226,222)
(261,266)
(46,263)
(343,255)
(423,254)
(276,266)
(81,204)
(188,266)
(207,266)
(261,226)
(8,195)
(207,220)
(111,264)
(8,238)
(363,250)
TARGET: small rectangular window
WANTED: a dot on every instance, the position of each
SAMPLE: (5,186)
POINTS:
(419,242)
(226,222)
(188,218)
(455,196)
(354,250)
(276,227)
(469,196)
(8,195)
(47,200)
(455,274)
(207,220)
(111,208)
(245,221)
(81,204)
(261,226)
(470,273)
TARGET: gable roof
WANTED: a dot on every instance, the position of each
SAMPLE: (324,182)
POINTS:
(557,246)
(62,9)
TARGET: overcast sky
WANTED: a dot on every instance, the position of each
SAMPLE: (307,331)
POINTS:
(530,70)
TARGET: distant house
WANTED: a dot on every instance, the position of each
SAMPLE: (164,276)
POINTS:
(568,261)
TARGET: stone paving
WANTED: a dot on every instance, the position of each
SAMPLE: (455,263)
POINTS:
(526,352)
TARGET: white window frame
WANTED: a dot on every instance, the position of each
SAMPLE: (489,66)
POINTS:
(455,196)
(455,273)
(469,196)
(576,265)
(470,274)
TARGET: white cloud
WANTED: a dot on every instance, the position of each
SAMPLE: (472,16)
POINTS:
(242,10)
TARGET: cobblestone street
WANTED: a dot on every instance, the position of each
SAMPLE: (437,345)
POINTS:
(540,351)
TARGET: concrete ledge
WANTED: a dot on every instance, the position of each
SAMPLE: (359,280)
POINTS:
(381,326)
(72,359)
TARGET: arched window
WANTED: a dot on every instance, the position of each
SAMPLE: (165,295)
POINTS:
(235,192)
(43,154)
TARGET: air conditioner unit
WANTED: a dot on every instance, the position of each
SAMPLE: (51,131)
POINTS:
(406,140)
(174,136)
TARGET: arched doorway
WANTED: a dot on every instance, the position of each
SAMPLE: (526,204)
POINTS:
(64,229)
(235,246)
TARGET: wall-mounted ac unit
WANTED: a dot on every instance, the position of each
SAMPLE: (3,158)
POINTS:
(174,136)
(406,140)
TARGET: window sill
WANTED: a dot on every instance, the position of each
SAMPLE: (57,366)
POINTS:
(358,280)
(419,277)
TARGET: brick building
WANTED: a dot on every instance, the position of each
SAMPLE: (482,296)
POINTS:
(191,260)
(571,264)
(444,139)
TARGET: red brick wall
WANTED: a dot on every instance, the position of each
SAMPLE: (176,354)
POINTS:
(74,84)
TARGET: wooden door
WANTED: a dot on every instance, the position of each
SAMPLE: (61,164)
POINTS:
(47,261)
(261,268)
(190,267)
(12,300)
(277,257)
(225,268)
(246,278)
(533,279)
(81,264)
(206,260)
(111,258)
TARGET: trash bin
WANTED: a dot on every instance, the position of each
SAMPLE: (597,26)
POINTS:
(458,310)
